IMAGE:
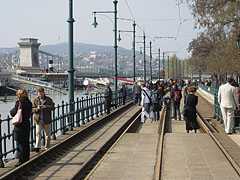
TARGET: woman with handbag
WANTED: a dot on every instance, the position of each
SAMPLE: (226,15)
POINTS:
(190,110)
(21,114)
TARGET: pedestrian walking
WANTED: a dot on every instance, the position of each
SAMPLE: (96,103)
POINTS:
(107,97)
(42,107)
(190,105)
(21,132)
(146,103)
(176,102)
(156,102)
(124,93)
(136,93)
(227,98)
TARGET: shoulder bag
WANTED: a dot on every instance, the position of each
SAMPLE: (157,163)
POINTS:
(17,119)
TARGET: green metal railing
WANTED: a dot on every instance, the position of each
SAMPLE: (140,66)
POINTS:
(208,89)
(85,109)
(217,109)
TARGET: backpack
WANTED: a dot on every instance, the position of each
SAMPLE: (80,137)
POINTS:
(155,97)
(177,96)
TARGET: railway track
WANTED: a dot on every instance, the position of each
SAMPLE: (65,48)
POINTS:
(106,130)
(206,127)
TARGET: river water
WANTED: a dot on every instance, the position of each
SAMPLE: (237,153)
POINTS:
(5,107)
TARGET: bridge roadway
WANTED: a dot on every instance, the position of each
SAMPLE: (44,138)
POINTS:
(137,154)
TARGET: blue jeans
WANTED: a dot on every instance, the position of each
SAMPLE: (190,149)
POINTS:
(136,97)
(156,115)
(146,113)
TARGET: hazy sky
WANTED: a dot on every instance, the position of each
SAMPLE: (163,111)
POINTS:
(46,20)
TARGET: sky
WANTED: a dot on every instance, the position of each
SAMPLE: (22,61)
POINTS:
(46,21)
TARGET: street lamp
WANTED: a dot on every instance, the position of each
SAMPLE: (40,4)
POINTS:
(150,60)
(115,38)
(95,24)
(133,47)
(70,62)
(238,44)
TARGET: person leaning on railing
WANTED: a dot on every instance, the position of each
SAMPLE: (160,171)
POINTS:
(21,131)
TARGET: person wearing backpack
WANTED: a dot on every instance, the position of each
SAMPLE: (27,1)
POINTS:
(156,100)
(146,103)
(177,96)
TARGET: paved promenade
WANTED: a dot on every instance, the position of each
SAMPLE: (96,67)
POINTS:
(194,155)
(134,157)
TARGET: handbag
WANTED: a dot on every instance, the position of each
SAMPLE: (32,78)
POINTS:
(17,119)
(184,110)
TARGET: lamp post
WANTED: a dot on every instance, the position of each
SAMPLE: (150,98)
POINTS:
(163,65)
(159,64)
(70,61)
(180,71)
(168,66)
(183,70)
(115,2)
(144,56)
(150,60)
(133,48)
(176,70)
(173,68)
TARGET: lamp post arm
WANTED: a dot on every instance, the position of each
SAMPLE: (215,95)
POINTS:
(103,12)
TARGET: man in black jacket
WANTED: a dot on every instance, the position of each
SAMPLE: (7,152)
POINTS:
(108,97)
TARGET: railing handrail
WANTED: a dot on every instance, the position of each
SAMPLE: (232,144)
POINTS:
(85,109)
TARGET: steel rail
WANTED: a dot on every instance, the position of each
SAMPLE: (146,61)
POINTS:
(211,131)
(60,148)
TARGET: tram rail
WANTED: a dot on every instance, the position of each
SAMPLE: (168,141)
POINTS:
(206,127)
(44,159)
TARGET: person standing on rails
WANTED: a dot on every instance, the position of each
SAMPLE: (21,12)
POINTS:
(190,117)
(108,97)
(42,107)
(227,98)
(21,131)
(136,93)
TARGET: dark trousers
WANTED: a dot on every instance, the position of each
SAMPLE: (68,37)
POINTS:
(124,99)
(24,151)
(108,107)
(176,111)
(136,98)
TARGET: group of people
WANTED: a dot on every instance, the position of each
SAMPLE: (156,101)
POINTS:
(41,107)
(153,97)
